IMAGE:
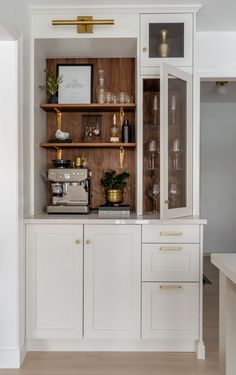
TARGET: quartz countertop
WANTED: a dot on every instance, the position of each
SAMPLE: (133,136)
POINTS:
(94,218)
(226,263)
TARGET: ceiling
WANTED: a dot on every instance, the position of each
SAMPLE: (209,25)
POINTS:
(215,14)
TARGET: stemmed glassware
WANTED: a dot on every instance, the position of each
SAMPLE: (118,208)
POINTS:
(173,195)
(154,193)
(153,149)
(177,149)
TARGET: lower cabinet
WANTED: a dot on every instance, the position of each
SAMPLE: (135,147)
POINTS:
(112,281)
(54,281)
(170,311)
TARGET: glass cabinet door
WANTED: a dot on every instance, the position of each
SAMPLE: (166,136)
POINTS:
(176,138)
(166,38)
(167,143)
(151,145)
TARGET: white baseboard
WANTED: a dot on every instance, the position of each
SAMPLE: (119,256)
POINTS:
(111,345)
(23,352)
(10,358)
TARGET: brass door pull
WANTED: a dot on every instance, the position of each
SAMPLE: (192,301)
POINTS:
(88,242)
(77,242)
(170,233)
(170,248)
(171,288)
(144,49)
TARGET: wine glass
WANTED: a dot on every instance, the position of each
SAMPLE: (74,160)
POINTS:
(173,195)
(153,149)
(177,149)
(154,195)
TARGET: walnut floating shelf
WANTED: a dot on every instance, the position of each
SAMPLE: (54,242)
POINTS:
(88,145)
(94,107)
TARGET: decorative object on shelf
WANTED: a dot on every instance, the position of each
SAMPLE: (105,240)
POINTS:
(114,185)
(115,132)
(155,110)
(60,135)
(153,150)
(164,46)
(126,132)
(173,109)
(77,83)
(173,195)
(80,162)
(53,83)
(84,23)
(221,88)
(92,127)
(154,193)
(101,90)
(177,150)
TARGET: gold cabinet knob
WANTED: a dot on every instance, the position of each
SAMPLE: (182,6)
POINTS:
(144,49)
(77,242)
(88,242)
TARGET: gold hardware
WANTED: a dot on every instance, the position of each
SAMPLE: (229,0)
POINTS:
(167,201)
(84,23)
(144,49)
(122,157)
(59,114)
(77,242)
(170,248)
(58,153)
(88,242)
(170,233)
(171,288)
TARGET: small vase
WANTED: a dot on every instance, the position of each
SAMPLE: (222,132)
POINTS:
(164,46)
(53,99)
(114,196)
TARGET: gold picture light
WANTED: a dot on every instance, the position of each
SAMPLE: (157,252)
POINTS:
(84,23)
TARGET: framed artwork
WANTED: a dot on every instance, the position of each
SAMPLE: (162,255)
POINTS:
(76,87)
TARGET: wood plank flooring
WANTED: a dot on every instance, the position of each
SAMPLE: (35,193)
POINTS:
(67,363)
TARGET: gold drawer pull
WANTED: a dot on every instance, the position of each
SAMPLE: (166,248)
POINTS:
(171,288)
(170,248)
(88,242)
(77,242)
(171,233)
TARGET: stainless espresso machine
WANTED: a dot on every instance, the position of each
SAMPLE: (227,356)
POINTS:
(70,190)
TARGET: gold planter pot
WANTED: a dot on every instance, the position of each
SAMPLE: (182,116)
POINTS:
(114,196)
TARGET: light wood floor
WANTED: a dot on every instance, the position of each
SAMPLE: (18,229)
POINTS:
(51,363)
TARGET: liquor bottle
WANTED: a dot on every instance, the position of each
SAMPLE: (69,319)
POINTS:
(126,132)
(164,46)
(115,133)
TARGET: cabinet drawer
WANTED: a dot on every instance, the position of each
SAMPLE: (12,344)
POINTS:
(170,311)
(170,262)
(170,233)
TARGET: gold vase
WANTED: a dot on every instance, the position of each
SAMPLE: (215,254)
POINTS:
(164,46)
(114,196)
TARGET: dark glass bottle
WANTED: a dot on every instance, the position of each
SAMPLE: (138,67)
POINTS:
(126,132)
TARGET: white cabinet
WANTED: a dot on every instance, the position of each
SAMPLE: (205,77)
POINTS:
(171,271)
(54,281)
(112,281)
(166,38)
(170,311)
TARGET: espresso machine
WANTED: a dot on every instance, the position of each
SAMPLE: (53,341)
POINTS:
(70,189)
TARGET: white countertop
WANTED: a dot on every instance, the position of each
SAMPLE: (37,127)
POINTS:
(226,262)
(94,218)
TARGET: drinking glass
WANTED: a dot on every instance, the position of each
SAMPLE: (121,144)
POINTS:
(154,195)
(173,195)
(153,149)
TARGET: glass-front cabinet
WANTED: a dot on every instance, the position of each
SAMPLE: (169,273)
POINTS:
(166,38)
(167,143)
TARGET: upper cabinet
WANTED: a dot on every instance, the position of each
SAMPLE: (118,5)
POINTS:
(166,38)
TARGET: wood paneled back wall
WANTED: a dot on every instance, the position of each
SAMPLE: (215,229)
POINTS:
(119,77)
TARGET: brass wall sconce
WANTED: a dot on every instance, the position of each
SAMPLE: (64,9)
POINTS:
(84,23)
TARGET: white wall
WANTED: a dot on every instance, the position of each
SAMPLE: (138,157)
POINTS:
(9,317)
(14,115)
(218,167)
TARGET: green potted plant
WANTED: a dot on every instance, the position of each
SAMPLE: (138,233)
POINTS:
(114,184)
(52,84)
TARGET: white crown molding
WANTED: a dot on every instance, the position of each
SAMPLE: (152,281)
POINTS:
(69,9)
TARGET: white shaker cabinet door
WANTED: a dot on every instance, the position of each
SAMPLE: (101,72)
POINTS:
(54,281)
(112,281)
(170,311)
